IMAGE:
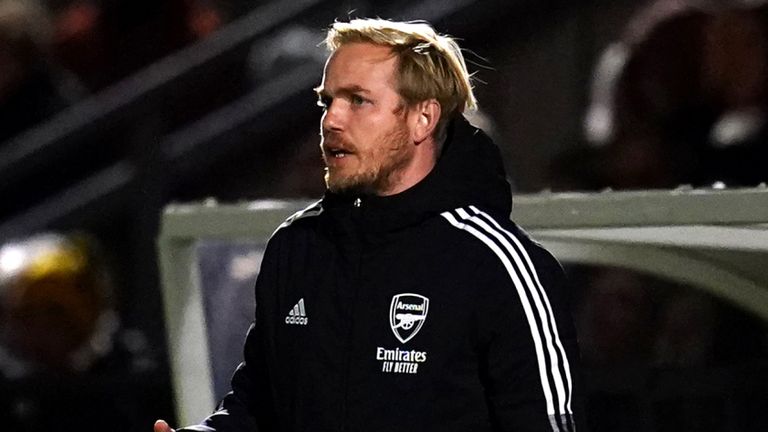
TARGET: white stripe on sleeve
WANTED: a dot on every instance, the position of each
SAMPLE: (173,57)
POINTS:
(540,289)
(523,300)
(526,282)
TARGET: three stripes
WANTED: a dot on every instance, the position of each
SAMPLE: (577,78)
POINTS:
(298,309)
(552,361)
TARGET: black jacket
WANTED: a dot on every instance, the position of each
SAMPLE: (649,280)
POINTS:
(427,310)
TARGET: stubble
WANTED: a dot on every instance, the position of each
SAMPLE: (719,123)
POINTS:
(380,168)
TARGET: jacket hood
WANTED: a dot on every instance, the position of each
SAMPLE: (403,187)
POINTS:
(469,172)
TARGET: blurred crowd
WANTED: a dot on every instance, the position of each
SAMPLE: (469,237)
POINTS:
(54,52)
(66,360)
(681,97)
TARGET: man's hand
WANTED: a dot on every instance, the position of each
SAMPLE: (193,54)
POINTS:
(162,426)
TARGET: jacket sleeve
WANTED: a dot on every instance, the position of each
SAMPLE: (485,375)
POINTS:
(249,405)
(527,342)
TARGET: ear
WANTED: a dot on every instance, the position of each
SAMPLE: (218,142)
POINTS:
(424,118)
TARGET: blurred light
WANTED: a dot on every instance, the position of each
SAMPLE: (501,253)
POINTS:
(210,202)
(737,128)
(599,123)
(11,259)
(244,267)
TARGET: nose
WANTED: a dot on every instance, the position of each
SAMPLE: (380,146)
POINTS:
(332,118)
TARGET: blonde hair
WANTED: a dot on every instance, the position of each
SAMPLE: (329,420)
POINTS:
(430,65)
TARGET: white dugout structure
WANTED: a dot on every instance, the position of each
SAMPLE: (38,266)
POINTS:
(715,240)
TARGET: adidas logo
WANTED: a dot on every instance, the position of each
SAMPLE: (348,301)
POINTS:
(297,315)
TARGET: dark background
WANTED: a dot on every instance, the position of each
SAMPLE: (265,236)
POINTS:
(116,108)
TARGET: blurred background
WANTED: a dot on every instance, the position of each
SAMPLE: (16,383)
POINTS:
(111,109)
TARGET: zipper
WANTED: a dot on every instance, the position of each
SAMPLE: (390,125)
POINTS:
(355,216)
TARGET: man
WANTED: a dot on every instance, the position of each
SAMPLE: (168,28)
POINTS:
(405,299)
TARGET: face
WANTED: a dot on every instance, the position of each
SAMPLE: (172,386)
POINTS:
(365,142)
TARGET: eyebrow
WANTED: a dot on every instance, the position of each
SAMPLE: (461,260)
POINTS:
(321,91)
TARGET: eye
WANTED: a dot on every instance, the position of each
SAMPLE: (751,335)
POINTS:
(357,100)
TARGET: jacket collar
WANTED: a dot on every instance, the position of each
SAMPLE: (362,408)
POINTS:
(469,172)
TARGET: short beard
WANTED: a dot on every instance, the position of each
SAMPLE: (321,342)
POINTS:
(394,155)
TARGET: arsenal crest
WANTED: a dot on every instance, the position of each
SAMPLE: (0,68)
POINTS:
(407,314)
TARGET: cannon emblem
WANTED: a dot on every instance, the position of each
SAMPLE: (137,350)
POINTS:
(407,314)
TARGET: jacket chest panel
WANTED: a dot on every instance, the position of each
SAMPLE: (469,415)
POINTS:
(374,306)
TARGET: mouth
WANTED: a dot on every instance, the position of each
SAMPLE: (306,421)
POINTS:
(338,154)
